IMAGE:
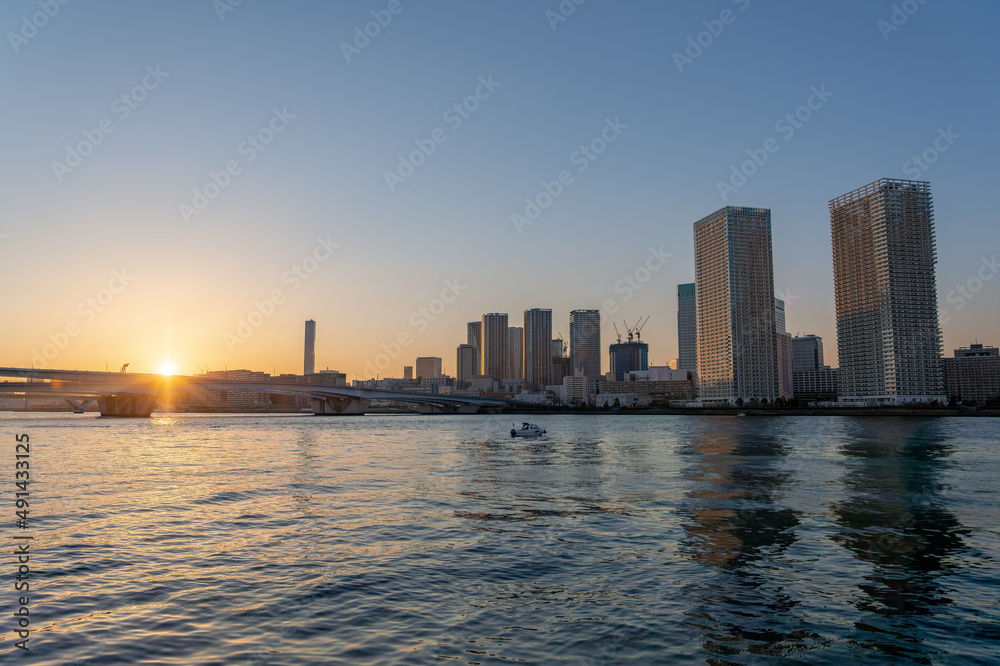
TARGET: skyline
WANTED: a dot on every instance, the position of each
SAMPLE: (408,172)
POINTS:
(309,227)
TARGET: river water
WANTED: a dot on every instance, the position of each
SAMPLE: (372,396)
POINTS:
(208,539)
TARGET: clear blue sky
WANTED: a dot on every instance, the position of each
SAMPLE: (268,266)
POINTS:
(188,282)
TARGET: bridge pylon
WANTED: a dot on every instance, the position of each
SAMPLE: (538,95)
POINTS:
(127,405)
(339,406)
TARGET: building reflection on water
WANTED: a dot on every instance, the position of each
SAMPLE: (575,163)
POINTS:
(894,520)
(735,524)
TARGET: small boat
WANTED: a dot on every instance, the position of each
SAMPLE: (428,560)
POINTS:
(741,414)
(527,430)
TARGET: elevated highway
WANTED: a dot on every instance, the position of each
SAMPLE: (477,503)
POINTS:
(137,394)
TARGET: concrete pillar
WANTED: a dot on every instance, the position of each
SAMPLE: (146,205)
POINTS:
(338,406)
(127,405)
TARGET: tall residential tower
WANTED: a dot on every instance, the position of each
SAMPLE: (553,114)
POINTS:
(474,337)
(888,338)
(585,342)
(493,345)
(309,362)
(734,278)
(537,349)
(515,353)
(687,332)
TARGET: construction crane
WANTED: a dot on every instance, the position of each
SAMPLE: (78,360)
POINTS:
(632,331)
(562,345)
(638,328)
(617,333)
(628,331)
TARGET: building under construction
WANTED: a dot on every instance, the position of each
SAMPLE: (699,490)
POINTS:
(630,356)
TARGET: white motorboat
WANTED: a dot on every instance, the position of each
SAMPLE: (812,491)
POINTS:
(527,430)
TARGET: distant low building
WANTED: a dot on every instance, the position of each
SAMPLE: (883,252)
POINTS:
(819,384)
(677,389)
(428,366)
(239,399)
(484,383)
(973,375)
(623,400)
(579,389)
(659,373)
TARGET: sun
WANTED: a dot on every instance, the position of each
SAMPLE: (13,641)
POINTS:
(167,368)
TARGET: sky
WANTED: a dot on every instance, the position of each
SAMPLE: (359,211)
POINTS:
(187,182)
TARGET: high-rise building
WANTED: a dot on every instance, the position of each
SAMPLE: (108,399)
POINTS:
(474,336)
(515,353)
(628,357)
(561,367)
(888,338)
(309,363)
(465,364)
(493,345)
(784,348)
(687,331)
(537,348)
(428,366)
(734,283)
(786,378)
(585,342)
(408,372)
(807,353)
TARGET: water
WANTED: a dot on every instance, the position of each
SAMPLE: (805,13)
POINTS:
(413,540)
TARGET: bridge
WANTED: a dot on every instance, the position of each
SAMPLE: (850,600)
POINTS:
(136,395)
